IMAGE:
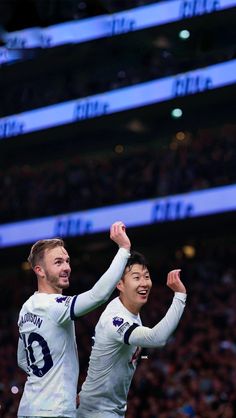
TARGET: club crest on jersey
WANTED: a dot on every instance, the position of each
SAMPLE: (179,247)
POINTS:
(61,299)
(117,321)
(66,299)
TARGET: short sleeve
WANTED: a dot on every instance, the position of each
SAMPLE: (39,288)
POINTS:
(61,308)
(119,327)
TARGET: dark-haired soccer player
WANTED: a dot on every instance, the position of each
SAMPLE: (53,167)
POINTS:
(119,336)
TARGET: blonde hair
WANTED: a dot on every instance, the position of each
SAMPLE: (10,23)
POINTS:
(38,249)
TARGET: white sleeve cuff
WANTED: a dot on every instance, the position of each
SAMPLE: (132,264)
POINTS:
(181,296)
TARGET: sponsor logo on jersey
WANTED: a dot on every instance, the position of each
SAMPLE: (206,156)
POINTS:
(123,328)
(117,321)
(65,299)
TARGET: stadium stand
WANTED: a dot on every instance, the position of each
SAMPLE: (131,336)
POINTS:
(190,161)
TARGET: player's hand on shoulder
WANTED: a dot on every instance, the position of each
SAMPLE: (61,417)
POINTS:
(119,236)
(174,282)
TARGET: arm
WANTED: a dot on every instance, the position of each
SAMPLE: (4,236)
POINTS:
(159,334)
(102,290)
(21,355)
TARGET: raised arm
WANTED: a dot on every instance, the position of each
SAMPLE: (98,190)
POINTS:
(102,290)
(159,334)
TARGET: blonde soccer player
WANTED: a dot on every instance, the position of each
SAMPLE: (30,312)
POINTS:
(47,348)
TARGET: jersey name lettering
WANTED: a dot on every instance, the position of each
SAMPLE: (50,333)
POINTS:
(29,317)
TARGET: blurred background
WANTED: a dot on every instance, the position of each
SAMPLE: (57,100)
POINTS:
(125,110)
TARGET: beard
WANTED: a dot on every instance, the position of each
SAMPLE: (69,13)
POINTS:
(57,282)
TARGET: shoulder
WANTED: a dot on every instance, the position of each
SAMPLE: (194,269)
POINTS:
(114,321)
(58,302)
(61,308)
(30,302)
(114,313)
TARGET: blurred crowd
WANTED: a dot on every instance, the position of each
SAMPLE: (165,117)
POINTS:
(192,376)
(190,161)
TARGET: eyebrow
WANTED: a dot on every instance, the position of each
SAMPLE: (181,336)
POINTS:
(61,258)
(138,272)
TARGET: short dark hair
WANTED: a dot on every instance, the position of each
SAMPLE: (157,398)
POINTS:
(137,258)
(38,249)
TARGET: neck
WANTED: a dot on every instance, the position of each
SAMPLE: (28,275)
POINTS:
(134,309)
(44,287)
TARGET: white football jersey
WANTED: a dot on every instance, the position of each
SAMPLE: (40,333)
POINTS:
(47,351)
(112,363)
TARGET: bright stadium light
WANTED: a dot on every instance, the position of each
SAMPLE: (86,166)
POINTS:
(14,390)
(184,34)
(176,113)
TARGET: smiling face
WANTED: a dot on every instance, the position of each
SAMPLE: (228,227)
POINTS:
(54,270)
(135,287)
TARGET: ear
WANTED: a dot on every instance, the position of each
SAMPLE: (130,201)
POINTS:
(39,271)
(120,285)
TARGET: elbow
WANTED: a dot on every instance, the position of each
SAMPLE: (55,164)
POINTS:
(106,297)
(100,300)
(103,298)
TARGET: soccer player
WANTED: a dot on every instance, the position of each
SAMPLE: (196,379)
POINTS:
(119,336)
(47,348)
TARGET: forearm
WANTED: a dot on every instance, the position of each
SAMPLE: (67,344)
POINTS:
(159,334)
(104,287)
